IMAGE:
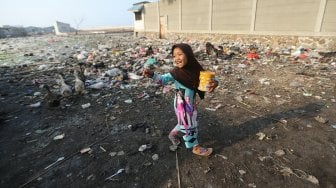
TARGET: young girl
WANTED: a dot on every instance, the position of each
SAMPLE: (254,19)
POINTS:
(185,76)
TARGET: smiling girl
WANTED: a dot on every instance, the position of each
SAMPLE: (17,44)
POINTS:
(185,76)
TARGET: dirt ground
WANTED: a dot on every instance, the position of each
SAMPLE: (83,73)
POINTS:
(271,122)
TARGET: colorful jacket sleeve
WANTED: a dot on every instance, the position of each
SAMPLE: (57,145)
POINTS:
(163,79)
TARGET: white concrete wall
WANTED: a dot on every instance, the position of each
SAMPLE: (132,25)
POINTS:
(139,25)
(171,10)
(151,16)
(231,15)
(195,15)
(329,19)
(258,17)
(286,15)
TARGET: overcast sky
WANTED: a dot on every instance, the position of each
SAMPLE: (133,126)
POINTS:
(43,13)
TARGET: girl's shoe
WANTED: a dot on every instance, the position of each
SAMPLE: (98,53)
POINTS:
(198,150)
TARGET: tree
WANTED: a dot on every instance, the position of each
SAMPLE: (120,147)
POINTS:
(78,24)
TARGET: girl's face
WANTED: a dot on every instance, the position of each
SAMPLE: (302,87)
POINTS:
(180,59)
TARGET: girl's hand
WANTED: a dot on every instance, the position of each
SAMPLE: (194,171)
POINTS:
(147,73)
(212,85)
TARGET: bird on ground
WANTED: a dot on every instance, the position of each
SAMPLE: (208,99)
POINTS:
(79,84)
(149,51)
(52,99)
(210,49)
(65,89)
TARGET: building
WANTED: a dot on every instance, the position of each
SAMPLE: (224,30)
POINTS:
(243,19)
(63,28)
(139,17)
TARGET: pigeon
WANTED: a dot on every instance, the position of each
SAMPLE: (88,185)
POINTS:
(52,99)
(79,84)
(149,51)
(210,49)
(65,89)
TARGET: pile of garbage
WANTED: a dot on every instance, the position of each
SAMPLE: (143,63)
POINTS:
(95,62)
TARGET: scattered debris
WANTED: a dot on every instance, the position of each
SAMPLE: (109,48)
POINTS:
(286,171)
(321,119)
(115,174)
(283,121)
(103,149)
(279,153)
(59,137)
(35,105)
(253,185)
(173,147)
(145,147)
(155,157)
(221,156)
(261,135)
(128,101)
(85,150)
(242,172)
(87,105)
(52,164)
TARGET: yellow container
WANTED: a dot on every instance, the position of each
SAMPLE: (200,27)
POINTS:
(205,77)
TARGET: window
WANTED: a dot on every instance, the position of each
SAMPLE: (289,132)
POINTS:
(137,15)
